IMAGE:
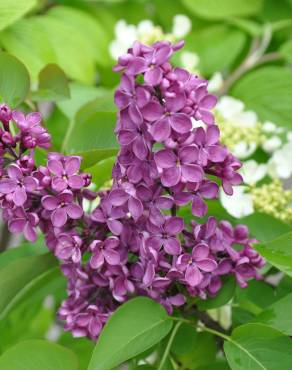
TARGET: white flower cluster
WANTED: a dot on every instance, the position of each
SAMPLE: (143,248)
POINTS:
(244,134)
(146,32)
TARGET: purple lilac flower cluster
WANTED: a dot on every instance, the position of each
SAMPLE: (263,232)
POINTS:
(134,242)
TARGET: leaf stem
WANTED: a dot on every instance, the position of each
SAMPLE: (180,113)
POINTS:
(169,343)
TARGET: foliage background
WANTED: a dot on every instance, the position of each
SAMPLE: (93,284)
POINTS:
(55,57)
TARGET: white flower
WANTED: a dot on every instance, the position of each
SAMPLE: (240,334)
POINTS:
(181,25)
(280,164)
(189,60)
(125,34)
(269,127)
(289,136)
(243,149)
(232,110)
(215,82)
(252,172)
(271,144)
(144,27)
(239,204)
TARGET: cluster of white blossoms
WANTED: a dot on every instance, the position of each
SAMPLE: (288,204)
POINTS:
(147,33)
(266,184)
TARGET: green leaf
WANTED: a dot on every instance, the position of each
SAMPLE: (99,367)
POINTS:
(218,365)
(258,347)
(200,351)
(38,355)
(19,276)
(102,171)
(286,51)
(73,53)
(14,80)
(185,340)
(92,132)
(256,296)
(26,36)
(80,95)
(267,91)
(217,46)
(11,10)
(264,227)
(53,84)
(224,296)
(23,250)
(220,9)
(278,315)
(278,252)
(133,328)
(89,28)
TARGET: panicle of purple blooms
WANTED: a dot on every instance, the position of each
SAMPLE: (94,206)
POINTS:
(135,242)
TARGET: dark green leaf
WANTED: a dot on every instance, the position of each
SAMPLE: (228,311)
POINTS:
(278,315)
(38,355)
(267,91)
(258,347)
(11,10)
(19,276)
(53,84)
(134,327)
(14,80)
(278,252)
(185,340)
(256,296)
(224,296)
(220,9)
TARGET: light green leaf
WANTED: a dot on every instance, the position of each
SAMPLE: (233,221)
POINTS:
(224,296)
(102,171)
(286,50)
(267,91)
(14,80)
(92,133)
(220,9)
(80,95)
(23,37)
(217,47)
(73,53)
(53,84)
(278,252)
(12,10)
(38,355)
(258,347)
(19,276)
(278,315)
(134,327)
(89,27)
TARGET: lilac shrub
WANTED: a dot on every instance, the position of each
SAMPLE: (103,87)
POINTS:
(135,242)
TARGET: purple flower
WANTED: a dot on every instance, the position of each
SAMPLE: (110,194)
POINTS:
(62,208)
(69,247)
(23,222)
(5,113)
(106,214)
(17,185)
(66,173)
(132,97)
(167,117)
(104,251)
(118,197)
(33,134)
(180,167)
(193,264)
(165,235)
